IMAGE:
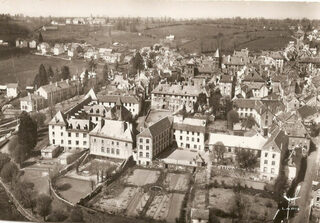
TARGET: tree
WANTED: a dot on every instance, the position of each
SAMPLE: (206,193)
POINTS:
(50,73)
(9,171)
(4,158)
(25,194)
(76,215)
(202,99)
(219,150)
(40,38)
(138,63)
(57,215)
(246,159)
(105,72)
(41,78)
(19,153)
(214,101)
(92,65)
(27,133)
(232,118)
(248,122)
(44,205)
(38,118)
(65,73)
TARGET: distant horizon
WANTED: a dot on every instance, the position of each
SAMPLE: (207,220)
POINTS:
(177,9)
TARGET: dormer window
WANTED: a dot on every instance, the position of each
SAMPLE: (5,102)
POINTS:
(91,110)
(97,111)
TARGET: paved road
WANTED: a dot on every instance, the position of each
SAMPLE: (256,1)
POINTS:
(306,188)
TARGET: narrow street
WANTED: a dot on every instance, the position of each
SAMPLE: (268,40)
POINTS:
(306,188)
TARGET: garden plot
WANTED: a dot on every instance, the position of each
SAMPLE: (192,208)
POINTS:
(199,200)
(130,201)
(176,182)
(222,199)
(166,207)
(141,177)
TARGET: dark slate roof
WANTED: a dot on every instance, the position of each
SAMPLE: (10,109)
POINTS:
(278,140)
(114,98)
(191,128)
(306,111)
(156,129)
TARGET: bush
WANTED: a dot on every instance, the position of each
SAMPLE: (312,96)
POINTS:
(76,215)
(57,216)
(9,171)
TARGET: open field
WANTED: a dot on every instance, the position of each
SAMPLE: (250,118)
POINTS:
(24,68)
(166,207)
(39,178)
(73,189)
(176,182)
(141,177)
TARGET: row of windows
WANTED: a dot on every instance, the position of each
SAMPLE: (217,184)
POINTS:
(141,154)
(70,142)
(272,163)
(265,169)
(190,132)
(102,141)
(111,151)
(77,134)
(188,146)
(273,155)
(188,139)
(175,96)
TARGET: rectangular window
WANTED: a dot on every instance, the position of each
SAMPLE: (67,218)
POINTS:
(147,140)
(77,142)
(273,156)
(94,140)
(180,137)
(273,163)
(53,141)
(102,150)
(198,140)
(69,134)
(77,134)
(61,133)
(272,170)
(141,139)
(112,143)
(84,143)
(62,141)
(147,155)
(117,151)
(117,143)
(112,150)
(147,147)
(141,146)
(69,142)
(108,150)
(266,155)
(140,154)
(84,135)
(265,161)
(187,138)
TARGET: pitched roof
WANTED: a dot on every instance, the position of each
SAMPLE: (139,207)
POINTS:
(253,77)
(114,98)
(12,85)
(58,119)
(306,111)
(157,128)
(226,79)
(190,90)
(191,128)
(278,140)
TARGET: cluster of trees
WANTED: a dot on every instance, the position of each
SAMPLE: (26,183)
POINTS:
(137,63)
(245,158)
(44,76)
(21,146)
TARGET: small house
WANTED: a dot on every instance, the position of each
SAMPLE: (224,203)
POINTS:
(50,152)
(12,90)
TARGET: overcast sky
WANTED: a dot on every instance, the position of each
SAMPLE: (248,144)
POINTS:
(157,8)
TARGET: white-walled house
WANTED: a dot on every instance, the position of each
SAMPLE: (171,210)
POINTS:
(12,90)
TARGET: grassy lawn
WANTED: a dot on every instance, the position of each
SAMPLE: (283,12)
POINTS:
(73,189)
(39,178)
(24,68)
